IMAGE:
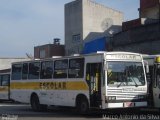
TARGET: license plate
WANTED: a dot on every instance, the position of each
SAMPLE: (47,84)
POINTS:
(128,104)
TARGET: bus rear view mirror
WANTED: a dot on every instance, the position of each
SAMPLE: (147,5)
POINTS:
(146,66)
(105,67)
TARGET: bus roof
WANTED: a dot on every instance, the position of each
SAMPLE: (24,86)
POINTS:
(82,55)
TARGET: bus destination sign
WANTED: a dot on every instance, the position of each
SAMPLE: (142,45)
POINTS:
(123,57)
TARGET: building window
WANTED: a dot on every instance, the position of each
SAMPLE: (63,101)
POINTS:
(76,68)
(60,68)
(42,53)
(16,71)
(34,70)
(76,38)
(46,70)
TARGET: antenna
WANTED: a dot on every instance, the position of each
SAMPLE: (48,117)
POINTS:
(29,56)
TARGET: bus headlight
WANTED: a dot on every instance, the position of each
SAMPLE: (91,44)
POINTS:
(110,98)
(141,96)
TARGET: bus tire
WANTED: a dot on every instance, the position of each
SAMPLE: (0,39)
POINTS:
(82,105)
(36,106)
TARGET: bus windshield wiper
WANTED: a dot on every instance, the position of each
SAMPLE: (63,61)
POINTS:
(124,77)
(134,82)
(120,84)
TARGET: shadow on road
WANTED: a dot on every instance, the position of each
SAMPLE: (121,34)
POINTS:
(25,111)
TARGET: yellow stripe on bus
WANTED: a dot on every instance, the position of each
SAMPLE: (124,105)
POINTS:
(4,89)
(69,85)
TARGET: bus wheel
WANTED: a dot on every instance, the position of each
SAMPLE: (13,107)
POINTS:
(82,106)
(36,106)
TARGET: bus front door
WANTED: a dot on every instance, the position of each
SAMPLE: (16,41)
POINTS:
(93,77)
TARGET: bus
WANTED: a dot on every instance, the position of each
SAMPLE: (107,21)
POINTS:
(100,80)
(4,84)
(154,73)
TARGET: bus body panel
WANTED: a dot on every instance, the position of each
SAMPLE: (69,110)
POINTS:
(4,93)
(4,85)
(156,97)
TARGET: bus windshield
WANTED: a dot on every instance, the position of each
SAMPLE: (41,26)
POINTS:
(125,74)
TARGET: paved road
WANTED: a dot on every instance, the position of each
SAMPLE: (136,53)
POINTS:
(10,111)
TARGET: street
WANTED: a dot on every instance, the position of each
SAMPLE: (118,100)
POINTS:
(16,111)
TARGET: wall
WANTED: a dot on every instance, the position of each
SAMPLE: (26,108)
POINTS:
(73,26)
(144,39)
(48,51)
(98,18)
(145,4)
(149,9)
(91,20)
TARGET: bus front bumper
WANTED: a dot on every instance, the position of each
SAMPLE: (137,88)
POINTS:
(126,104)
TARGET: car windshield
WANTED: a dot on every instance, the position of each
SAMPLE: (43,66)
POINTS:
(125,74)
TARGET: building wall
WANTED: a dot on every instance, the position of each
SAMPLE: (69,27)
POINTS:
(145,4)
(57,50)
(49,50)
(73,27)
(150,9)
(98,18)
(143,39)
(90,20)
(151,13)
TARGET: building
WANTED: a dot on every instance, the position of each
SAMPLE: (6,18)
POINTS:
(141,39)
(49,50)
(141,35)
(150,9)
(86,20)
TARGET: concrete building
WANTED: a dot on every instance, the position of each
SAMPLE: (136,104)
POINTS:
(150,9)
(49,50)
(86,20)
(141,35)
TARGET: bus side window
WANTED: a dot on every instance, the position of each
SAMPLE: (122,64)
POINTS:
(16,71)
(46,70)
(5,80)
(76,68)
(60,68)
(25,71)
(34,70)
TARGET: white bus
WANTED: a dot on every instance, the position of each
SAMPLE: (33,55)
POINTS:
(154,73)
(101,80)
(4,84)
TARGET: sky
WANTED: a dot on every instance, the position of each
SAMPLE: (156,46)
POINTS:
(28,23)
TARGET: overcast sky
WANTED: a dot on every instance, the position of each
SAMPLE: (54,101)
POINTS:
(28,23)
